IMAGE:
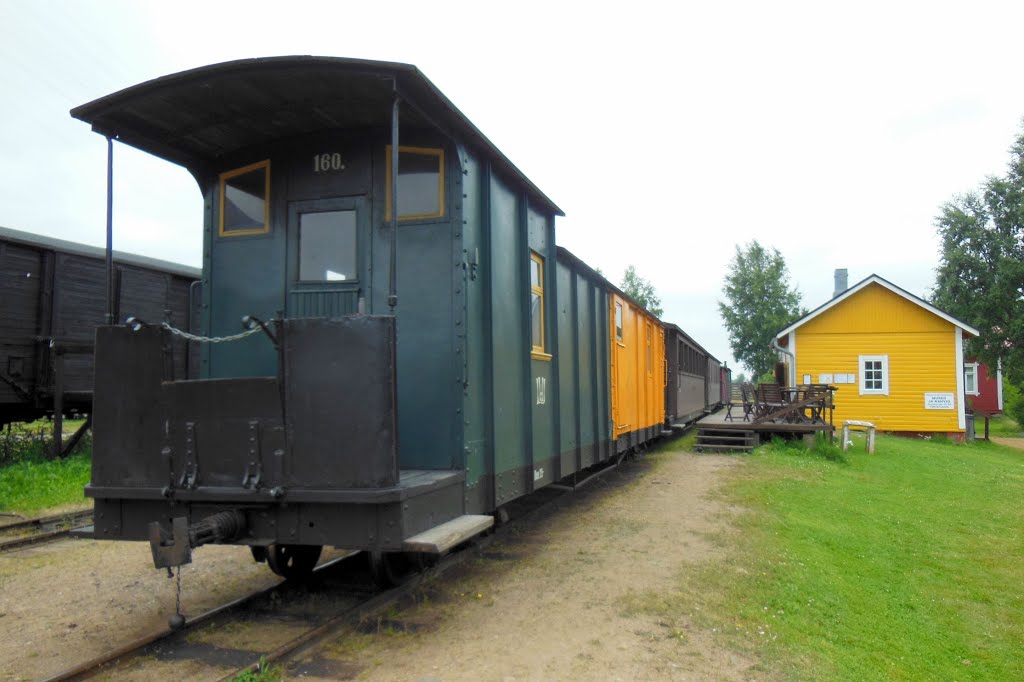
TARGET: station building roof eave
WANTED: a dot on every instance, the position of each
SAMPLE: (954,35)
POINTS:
(885,284)
(196,117)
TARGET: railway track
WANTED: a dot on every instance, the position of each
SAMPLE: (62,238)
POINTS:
(40,530)
(275,626)
(268,627)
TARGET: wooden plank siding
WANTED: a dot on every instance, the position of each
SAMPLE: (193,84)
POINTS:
(922,354)
(638,375)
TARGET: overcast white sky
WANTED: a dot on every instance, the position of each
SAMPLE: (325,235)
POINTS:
(668,132)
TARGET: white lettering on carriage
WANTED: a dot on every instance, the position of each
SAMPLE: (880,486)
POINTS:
(327,161)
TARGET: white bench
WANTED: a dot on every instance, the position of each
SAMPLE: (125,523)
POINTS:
(860,426)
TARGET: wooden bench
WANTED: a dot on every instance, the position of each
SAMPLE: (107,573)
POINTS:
(860,426)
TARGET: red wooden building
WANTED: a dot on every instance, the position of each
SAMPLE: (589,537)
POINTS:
(984,388)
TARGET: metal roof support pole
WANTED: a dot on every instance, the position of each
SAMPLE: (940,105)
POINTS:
(392,275)
(110,230)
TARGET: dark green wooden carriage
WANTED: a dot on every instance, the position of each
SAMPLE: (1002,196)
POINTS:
(396,384)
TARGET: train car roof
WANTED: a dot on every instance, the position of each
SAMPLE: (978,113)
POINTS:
(195,117)
(676,328)
(568,256)
(37,240)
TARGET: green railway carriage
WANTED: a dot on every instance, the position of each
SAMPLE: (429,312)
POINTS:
(420,352)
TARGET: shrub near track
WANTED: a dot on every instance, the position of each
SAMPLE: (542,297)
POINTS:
(31,486)
(904,565)
(31,481)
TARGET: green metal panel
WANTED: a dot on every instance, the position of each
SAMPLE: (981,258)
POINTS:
(584,383)
(570,354)
(602,369)
(510,339)
(477,407)
(429,371)
(543,378)
(245,276)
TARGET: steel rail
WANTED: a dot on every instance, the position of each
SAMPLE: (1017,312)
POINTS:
(94,665)
(65,524)
(384,600)
(367,608)
(70,517)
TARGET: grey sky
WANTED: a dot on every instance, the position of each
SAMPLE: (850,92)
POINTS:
(668,132)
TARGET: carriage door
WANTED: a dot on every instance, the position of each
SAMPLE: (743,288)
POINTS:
(328,245)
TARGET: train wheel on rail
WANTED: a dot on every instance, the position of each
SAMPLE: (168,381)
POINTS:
(293,562)
(394,568)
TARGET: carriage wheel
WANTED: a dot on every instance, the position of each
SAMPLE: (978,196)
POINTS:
(293,562)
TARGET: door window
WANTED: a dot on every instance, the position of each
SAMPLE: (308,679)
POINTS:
(327,246)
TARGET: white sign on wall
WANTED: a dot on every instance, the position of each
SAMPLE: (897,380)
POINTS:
(939,401)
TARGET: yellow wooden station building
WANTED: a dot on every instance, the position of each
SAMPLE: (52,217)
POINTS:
(896,360)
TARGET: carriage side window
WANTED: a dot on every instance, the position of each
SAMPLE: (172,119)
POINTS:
(244,205)
(537,303)
(420,183)
(618,322)
(327,246)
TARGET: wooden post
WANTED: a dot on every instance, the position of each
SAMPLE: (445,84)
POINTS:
(986,427)
(58,405)
(73,441)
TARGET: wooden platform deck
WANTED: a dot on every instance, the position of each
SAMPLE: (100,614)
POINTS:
(717,421)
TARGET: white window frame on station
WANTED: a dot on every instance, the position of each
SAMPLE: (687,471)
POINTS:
(865,374)
(971,376)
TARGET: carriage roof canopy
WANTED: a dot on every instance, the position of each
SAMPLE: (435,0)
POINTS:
(196,117)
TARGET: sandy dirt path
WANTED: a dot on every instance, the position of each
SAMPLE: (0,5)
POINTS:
(553,601)
(1012,442)
(557,601)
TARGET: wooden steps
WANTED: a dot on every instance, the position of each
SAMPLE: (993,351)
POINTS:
(710,439)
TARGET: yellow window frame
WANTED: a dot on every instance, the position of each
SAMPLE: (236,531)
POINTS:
(619,325)
(227,175)
(425,151)
(538,352)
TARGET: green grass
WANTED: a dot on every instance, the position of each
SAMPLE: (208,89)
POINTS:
(264,673)
(1001,425)
(68,427)
(903,565)
(32,486)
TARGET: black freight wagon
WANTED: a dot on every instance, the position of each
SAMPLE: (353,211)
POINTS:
(714,385)
(686,381)
(52,298)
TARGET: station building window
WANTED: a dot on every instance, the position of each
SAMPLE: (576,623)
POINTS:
(874,373)
(618,322)
(971,378)
(420,183)
(244,200)
(537,306)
